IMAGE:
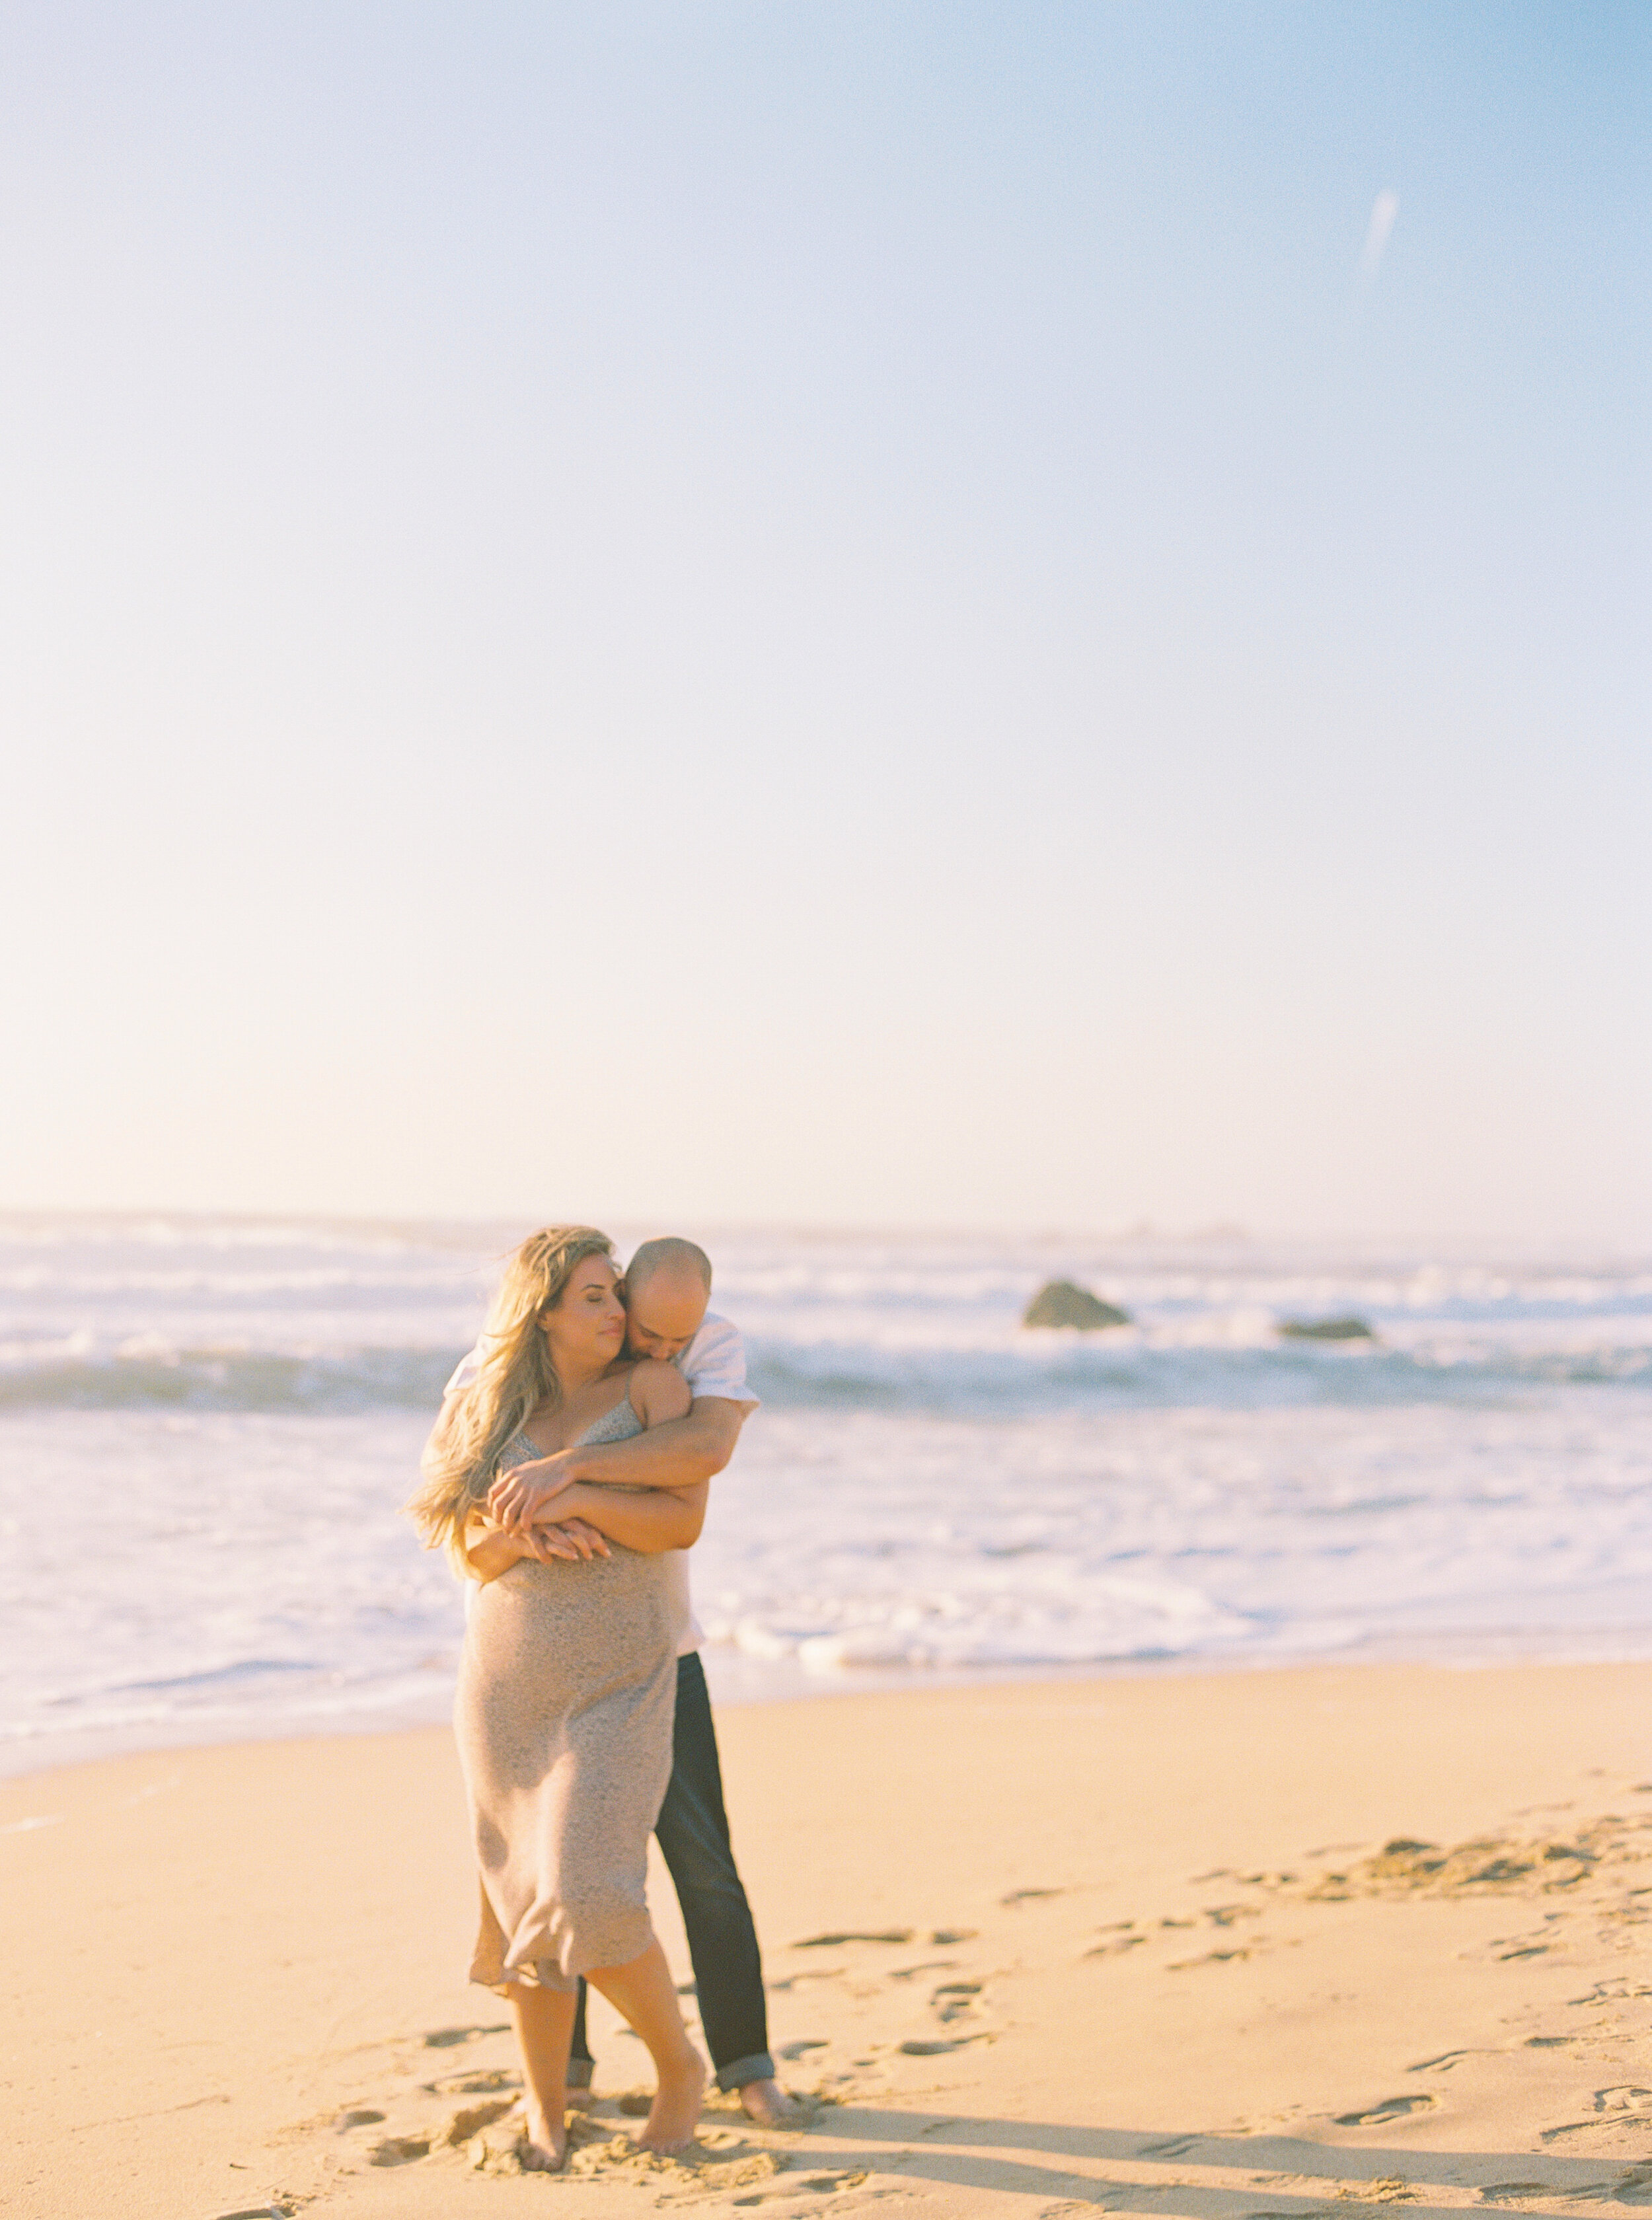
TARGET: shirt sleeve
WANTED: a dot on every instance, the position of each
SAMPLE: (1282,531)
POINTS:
(465,1373)
(713,1363)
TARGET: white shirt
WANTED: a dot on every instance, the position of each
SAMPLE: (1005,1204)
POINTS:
(713,1363)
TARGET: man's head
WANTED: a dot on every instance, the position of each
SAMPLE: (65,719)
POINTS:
(666,1287)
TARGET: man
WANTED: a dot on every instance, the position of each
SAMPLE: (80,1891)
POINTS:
(666,1289)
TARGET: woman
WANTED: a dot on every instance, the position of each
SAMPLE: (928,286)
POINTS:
(567,1682)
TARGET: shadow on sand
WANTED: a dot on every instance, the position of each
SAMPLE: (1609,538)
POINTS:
(953,2149)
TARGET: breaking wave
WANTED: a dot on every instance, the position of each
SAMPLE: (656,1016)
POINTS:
(1025,1377)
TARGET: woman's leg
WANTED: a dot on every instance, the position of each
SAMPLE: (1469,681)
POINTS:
(644,1991)
(544,2024)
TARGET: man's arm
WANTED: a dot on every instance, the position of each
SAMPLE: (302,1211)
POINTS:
(651,1520)
(684,1453)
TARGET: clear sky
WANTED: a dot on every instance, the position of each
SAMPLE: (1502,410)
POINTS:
(829,612)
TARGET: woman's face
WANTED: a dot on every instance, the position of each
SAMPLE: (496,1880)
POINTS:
(586,1324)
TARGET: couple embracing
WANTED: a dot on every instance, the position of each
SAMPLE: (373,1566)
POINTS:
(567,1477)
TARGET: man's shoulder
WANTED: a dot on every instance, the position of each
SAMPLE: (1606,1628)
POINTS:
(714,1332)
(713,1363)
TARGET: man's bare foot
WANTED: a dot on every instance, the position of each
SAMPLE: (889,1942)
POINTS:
(671,2122)
(581,2099)
(769,2104)
(544,2141)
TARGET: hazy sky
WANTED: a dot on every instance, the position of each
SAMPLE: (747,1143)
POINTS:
(829,610)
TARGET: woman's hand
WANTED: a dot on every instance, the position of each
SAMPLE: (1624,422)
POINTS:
(570,1539)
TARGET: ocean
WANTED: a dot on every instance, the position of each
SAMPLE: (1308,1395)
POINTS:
(206,1425)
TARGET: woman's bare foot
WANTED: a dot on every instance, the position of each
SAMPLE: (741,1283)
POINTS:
(769,2104)
(544,2141)
(671,2122)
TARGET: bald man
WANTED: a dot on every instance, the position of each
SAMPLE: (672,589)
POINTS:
(666,1289)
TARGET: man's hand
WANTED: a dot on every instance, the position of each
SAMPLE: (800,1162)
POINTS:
(518,1497)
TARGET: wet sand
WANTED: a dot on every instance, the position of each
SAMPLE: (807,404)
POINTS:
(1249,1947)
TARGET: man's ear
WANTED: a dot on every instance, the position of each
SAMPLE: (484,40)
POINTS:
(622,1291)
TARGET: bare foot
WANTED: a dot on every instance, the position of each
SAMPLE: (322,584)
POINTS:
(544,2141)
(671,2122)
(580,2099)
(770,2105)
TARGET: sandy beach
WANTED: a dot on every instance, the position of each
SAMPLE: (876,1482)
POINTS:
(1245,1945)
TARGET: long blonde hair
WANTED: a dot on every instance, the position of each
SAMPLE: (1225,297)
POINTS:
(461,1458)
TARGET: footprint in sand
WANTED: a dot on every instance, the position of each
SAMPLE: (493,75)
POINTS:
(481,2083)
(444,2038)
(822,2184)
(462,2127)
(1624,2097)
(1622,2105)
(835,1941)
(399,2150)
(1391,2108)
(813,1974)
(1117,1949)
(953,1999)
(472,2120)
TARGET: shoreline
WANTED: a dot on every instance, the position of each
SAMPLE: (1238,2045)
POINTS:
(1143,1941)
(739,1683)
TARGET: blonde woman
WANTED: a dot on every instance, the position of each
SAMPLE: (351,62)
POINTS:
(567,1678)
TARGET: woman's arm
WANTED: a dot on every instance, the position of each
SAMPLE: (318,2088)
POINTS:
(490,1549)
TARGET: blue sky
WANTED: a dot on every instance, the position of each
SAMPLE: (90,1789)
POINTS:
(827,612)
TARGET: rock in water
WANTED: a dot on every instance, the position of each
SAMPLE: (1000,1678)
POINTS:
(1336,1329)
(1061,1303)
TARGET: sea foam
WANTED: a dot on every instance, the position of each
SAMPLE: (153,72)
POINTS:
(206,1428)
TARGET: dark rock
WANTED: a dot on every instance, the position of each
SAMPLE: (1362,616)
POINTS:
(1332,1329)
(1060,1303)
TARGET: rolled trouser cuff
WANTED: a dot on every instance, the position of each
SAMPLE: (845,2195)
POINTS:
(758,2068)
(578,2075)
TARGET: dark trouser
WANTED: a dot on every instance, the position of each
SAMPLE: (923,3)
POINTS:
(692,1832)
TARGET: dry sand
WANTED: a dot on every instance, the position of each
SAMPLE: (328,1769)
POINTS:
(1136,1944)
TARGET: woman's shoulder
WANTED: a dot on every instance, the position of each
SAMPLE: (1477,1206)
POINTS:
(658,1392)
